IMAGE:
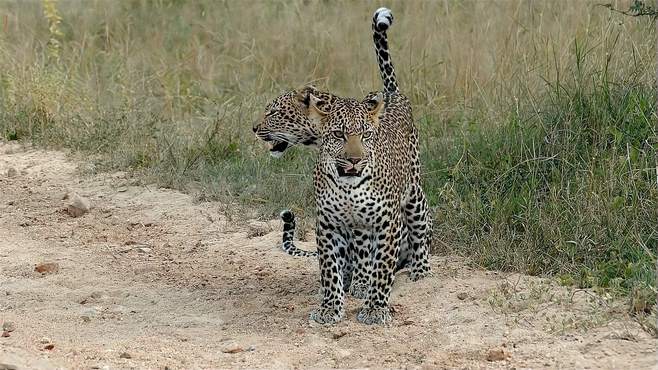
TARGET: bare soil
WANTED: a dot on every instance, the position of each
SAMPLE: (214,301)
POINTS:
(150,279)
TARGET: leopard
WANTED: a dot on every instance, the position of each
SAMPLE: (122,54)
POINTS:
(362,176)
(289,121)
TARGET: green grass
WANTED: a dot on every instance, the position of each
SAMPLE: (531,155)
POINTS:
(538,119)
(569,188)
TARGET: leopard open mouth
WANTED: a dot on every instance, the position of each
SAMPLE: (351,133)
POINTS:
(348,172)
(277,148)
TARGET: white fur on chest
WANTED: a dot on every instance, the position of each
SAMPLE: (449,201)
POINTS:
(357,206)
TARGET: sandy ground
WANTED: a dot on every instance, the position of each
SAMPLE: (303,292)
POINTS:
(149,279)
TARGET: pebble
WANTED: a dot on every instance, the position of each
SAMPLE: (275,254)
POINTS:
(96,295)
(339,334)
(118,309)
(125,355)
(88,312)
(461,296)
(8,326)
(78,205)
(232,348)
(8,367)
(47,268)
(12,172)
(496,355)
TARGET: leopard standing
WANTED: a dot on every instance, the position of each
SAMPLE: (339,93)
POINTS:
(288,121)
(362,176)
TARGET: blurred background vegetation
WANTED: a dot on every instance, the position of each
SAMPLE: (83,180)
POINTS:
(538,118)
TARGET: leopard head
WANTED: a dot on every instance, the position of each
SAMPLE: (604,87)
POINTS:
(349,134)
(286,121)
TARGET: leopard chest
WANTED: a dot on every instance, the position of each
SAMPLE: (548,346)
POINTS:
(352,203)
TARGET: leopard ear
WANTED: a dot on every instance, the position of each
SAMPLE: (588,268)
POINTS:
(317,108)
(375,107)
(303,94)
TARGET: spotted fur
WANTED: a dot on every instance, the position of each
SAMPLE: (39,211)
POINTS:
(381,21)
(286,123)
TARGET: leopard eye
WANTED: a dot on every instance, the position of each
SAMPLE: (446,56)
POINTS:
(338,134)
(367,134)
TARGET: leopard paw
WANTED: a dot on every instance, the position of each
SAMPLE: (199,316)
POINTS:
(370,316)
(325,315)
(420,273)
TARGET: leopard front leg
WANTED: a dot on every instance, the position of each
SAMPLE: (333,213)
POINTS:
(360,258)
(386,245)
(419,222)
(330,243)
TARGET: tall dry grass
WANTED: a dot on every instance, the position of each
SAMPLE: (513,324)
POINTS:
(537,117)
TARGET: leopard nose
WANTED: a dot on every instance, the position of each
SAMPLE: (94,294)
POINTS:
(254,128)
(354,160)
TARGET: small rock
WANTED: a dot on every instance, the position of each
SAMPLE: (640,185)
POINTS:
(461,296)
(12,172)
(251,348)
(49,347)
(8,367)
(8,326)
(144,250)
(117,309)
(44,340)
(78,205)
(46,268)
(232,349)
(5,334)
(338,335)
(125,355)
(88,313)
(497,355)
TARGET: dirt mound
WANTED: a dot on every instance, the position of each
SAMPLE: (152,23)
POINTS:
(148,279)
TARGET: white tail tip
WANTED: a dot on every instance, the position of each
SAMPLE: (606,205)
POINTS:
(383,18)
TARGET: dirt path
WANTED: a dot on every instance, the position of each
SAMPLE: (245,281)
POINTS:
(148,279)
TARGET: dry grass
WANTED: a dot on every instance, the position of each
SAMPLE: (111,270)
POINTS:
(537,117)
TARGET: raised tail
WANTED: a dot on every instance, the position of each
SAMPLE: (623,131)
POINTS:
(288,233)
(381,21)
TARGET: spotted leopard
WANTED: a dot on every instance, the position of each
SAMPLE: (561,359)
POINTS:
(362,175)
(289,121)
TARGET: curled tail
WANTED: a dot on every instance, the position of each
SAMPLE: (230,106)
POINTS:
(381,21)
(288,233)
